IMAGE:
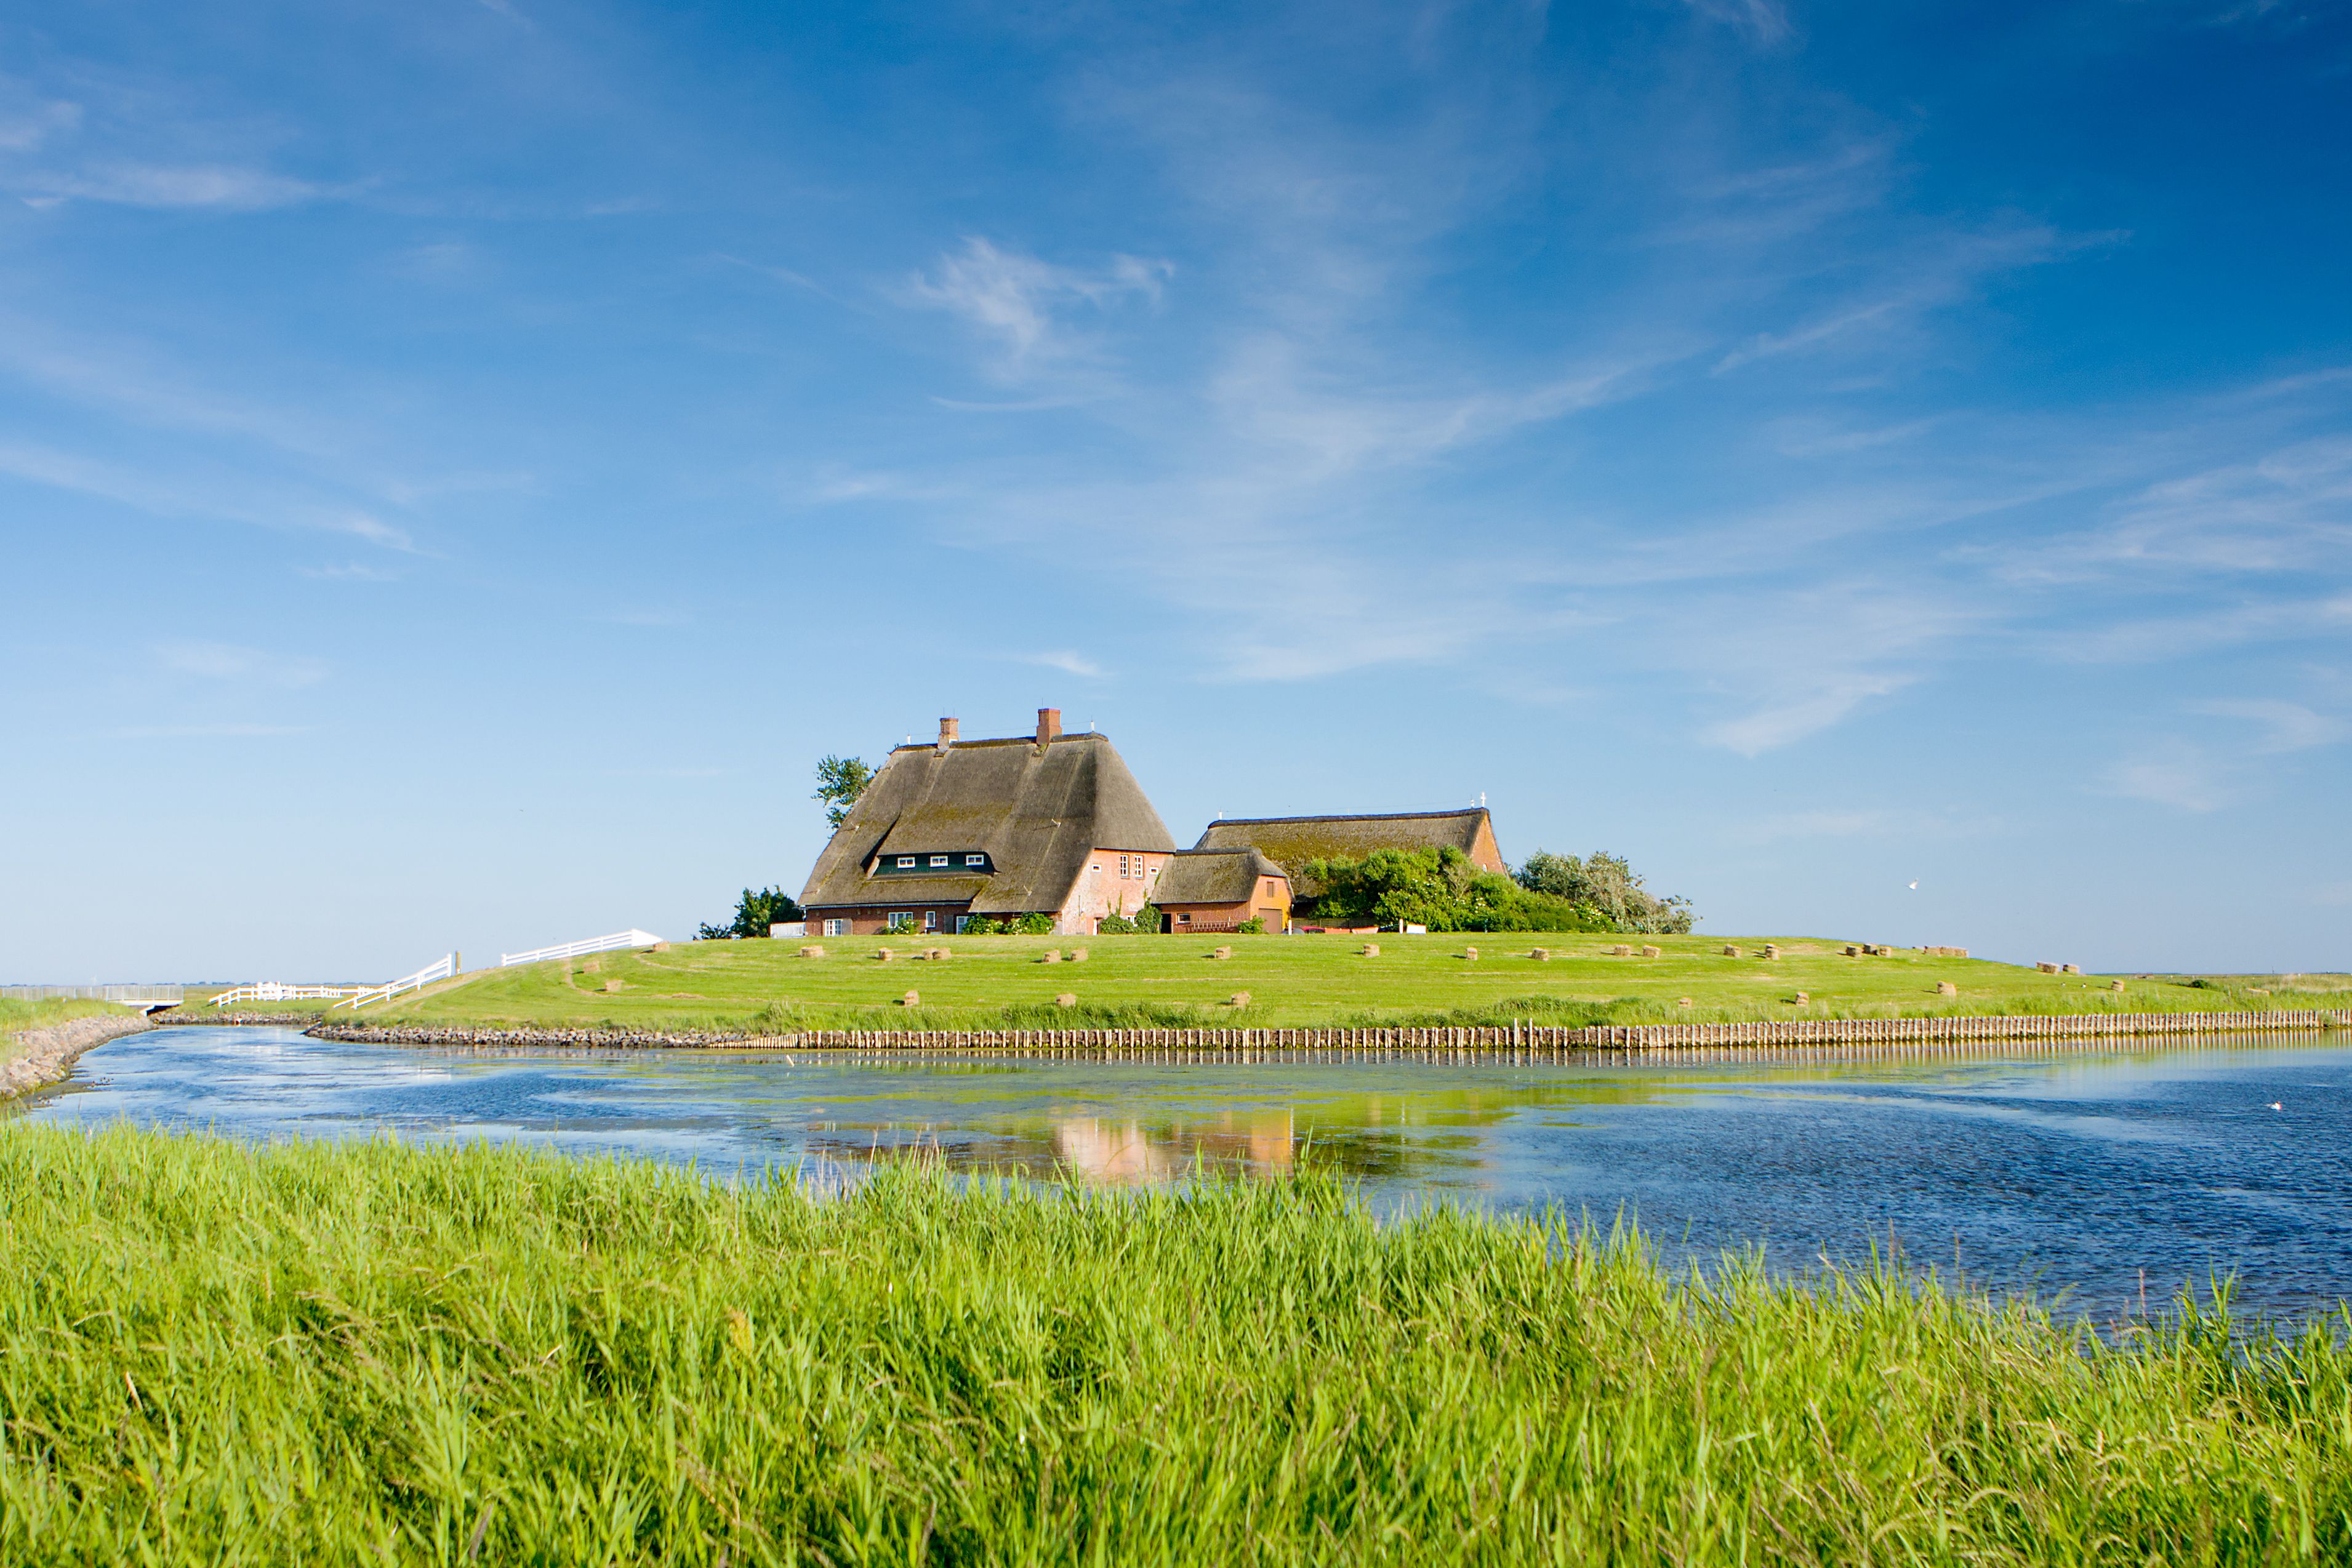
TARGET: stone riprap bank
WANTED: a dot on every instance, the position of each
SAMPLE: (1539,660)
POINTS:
(38,1056)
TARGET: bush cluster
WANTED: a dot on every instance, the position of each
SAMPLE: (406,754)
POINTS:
(1441,888)
(754,912)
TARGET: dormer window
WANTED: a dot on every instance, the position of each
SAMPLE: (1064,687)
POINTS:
(942,863)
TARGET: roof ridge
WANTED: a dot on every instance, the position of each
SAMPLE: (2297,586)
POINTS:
(997,740)
(1352,817)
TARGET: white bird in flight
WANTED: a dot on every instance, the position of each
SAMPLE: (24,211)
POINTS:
(1915,887)
(2276,1106)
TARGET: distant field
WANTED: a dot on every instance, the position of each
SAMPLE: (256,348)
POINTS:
(1292,981)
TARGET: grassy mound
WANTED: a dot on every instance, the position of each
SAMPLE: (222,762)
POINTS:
(1148,982)
(210,1353)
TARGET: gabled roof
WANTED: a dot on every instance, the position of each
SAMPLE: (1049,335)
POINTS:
(1212,876)
(1292,842)
(1038,810)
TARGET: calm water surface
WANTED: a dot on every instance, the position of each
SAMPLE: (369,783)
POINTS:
(2067,1173)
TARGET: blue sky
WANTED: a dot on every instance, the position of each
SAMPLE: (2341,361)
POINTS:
(461,462)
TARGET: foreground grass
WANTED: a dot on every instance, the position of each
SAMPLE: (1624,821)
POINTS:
(324,1354)
(1142,982)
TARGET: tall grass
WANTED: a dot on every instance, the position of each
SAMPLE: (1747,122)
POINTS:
(211,1353)
(19,1013)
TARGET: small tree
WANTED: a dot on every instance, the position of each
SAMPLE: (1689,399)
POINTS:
(840,780)
(1609,884)
(754,912)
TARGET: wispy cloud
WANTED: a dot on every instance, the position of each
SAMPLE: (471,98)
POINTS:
(1022,307)
(2285,727)
(349,572)
(1871,822)
(1923,277)
(1068,661)
(229,662)
(2172,773)
(25,125)
(224,189)
(231,498)
(1762,20)
(2196,776)
(231,731)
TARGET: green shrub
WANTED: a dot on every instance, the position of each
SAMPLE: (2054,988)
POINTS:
(754,912)
(1032,925)
(1253,926)
(1608,884)
(1441,888)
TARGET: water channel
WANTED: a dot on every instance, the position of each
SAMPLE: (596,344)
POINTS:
(2093,1175)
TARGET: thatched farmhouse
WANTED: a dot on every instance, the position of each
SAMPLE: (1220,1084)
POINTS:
(1054,825)
(1048,824)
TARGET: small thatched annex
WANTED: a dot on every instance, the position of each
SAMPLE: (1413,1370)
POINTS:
(1219,890)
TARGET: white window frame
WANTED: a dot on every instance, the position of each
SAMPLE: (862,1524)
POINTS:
(900,920)
(836,927)
(905,862)
(975,860)
(938,859)
(930,920)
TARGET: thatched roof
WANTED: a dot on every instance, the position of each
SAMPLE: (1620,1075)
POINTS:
(1292,842)
(1036,812)
(1212,876)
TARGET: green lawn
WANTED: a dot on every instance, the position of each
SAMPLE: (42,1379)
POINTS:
(317,1352)
(17,1015)
(1292,981)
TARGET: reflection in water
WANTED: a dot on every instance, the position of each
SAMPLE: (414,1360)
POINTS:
(2073,1170)
(1130,1151)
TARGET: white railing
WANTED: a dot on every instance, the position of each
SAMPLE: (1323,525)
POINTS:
(136,995)
(272,991)
(423,977)
(575,949)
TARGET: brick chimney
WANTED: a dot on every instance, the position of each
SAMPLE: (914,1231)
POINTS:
(949,730)
(1049,725)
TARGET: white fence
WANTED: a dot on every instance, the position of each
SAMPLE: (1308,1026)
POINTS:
(95,993)
(575,949)
(135,996)
(272,991)
(423,977)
